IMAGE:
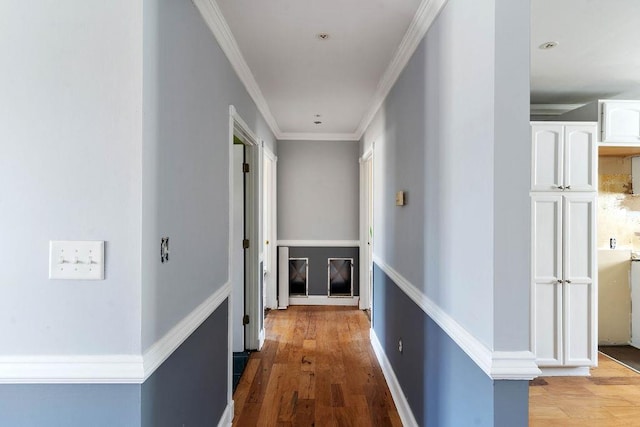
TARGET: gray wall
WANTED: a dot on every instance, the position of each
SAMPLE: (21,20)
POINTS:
(70,155)
(190,388)
(70,405)
(318,196)
(189,85)
(453,133)
(441,135)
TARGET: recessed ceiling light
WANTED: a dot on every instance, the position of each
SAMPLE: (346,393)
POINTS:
(548,45)
(318,122)
(323,36)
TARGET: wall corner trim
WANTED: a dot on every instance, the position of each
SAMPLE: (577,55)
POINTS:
(227,416)
(404,410)
(498,365)
(514,365)
(109,368)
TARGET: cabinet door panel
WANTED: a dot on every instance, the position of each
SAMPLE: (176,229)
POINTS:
(579,345)
(547,272)
(547,157)
(548,334)
(579,238)
(579,280)
(621,122)
(580,158)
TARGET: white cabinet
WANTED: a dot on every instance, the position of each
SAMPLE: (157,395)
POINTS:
(620,122)
(563,285)
(564,156)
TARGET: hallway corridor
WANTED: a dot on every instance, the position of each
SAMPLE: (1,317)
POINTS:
(317,367)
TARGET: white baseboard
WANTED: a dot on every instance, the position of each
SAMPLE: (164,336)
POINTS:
(227,416)
(578,371)
(404,410)
(320,243)
(324,300)
(261,338)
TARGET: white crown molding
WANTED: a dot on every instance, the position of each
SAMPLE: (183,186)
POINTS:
(320,243)
(214,19)
(552,109)
(402,405)
(107,369)
(498,365)
(308,136)
(422,20)
(425,15)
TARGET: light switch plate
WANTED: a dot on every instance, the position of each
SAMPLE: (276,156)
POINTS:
(400,198)
(76,260)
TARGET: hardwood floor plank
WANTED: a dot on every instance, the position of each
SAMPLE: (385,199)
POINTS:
(317,368)
(610,397)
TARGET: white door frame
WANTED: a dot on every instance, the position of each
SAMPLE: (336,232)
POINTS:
(270,163)
(366,208)
(254,332)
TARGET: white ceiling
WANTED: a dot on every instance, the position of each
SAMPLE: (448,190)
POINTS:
(300,75)
(598,55)
(293,75)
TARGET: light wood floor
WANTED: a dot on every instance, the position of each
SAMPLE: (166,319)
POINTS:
(610,397)
(317,368)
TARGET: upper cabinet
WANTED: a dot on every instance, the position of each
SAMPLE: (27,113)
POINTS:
(564,156)
(620,122)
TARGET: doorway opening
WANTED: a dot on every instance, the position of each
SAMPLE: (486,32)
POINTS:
(246,317)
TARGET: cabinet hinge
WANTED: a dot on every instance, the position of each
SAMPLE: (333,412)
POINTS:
(245,320)
(245,167)
(245,244)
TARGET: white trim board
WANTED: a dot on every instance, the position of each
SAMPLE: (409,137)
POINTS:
(498,365)
(324,300)
(320,243)
(426,13)
(565,371)
(402,405)
(227,416)
(108,369)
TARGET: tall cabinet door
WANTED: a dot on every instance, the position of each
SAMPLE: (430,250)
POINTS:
(547,279)
(547,157)
(580,158)
(579,293)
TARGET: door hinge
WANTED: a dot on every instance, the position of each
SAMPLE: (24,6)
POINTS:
(245,167)
(245,244)
(245,320)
